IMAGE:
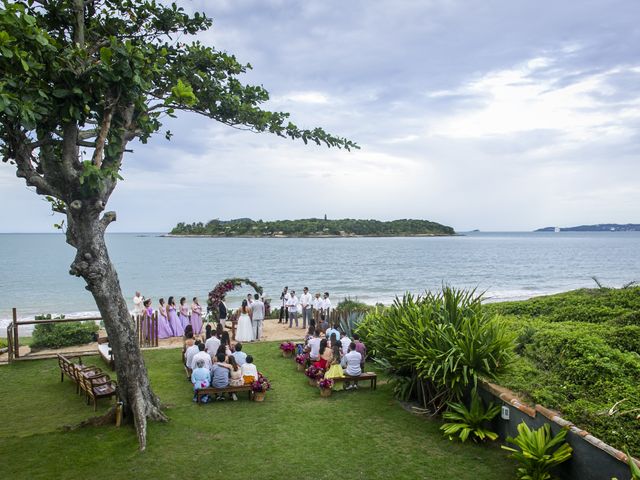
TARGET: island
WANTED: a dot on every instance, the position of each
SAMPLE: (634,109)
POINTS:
(312,227)
(601,227)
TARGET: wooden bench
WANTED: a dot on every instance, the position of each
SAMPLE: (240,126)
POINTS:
(96,387)
(104,350)
(75,370)
(201,392)
(366,376)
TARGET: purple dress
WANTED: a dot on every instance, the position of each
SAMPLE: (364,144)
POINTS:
(174,322)
(164,328)
(196,318)
(184,317)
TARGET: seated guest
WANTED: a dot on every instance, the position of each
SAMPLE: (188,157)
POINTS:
(235,376)
(219,330)
(309,334)
(211,345)
(201,355)
(323,326)
(360,348)
(191,351)
(313,347)
(333,329)
(208,332)
(239,355)
(351,363)
(249,371)
(199,378)
(220,374)
(333,340)
(345,341)
(188,341)
(335,369)
(325,355)
(226,341)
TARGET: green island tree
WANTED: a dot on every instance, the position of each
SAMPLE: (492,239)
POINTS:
(79,80)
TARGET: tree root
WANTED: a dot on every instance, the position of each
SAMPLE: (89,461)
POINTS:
(108,418)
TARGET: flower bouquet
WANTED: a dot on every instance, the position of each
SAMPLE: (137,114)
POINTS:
(259,387)
(301,360)
(287,348)
(314,374)
(325,385)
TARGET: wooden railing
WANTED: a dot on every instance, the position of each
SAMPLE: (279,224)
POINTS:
(147,330)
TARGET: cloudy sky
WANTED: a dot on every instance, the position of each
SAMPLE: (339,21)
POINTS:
(492,114)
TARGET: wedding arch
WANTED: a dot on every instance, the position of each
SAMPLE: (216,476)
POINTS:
(221,289)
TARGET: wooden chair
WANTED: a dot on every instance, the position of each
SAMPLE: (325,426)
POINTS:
(97,387)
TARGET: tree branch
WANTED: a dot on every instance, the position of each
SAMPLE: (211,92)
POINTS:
(98,153)
(78,33)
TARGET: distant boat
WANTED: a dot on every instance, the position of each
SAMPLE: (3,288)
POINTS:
(556,229)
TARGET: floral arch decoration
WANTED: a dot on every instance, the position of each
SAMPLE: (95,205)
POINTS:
(221,289)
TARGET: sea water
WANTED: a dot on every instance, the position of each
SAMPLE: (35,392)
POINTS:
(505,266)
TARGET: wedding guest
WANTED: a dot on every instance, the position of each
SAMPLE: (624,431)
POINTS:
(306,305)
(332,330)
(225,342)
(284,298)
(324,325)
(249,371)
(351,363)
(325,355)
(196,316)
(211,345)
(164,327)
(184,312)
(219,330)
(257,316)
(313,346)
(317,309)
(138,307)
(335,368)
(235,376)
(187,339)
(174,321)
(199,378)
(333,340)
(239,356)
(201,355)
(208,331)
(345,341)
(190,353)
(292,307)
(220,374)
(148,309)
(360,348)
(309,335)
(326,306)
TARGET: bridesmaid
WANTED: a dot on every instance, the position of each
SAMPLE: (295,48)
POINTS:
(184,314)
(164,328)
(196,316)
(174,321)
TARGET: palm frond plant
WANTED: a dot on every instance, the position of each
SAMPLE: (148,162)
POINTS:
(465,423)
(538,452)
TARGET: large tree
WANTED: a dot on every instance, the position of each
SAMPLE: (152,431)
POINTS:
(79,80)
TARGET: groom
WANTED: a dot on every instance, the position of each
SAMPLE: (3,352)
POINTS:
(257,316)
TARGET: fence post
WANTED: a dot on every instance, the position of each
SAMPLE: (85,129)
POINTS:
(16,343)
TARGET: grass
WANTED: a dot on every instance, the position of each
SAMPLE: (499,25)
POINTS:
(294,434)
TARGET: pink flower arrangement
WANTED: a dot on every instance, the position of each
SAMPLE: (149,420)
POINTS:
(314,373)
(301,359)
(287,347)
(325,383)
(261,384)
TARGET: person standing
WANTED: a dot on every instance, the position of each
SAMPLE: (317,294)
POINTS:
(138,304)
(184,313)
(305,302)
(292,307)
(222,311)
(317,309)
(257,316)
(164,327)
(174,321)
(245,331)
(284,298)
(326,307)
(196,316)
(249,299)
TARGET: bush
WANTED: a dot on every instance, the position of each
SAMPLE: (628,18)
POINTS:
(351,304)
(446,340)
(58,335)
(470,422)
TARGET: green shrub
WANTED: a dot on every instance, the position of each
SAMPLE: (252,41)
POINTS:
(469,422)
(538,452)
(353,304)
(3,342)
(626,338)
(58,335)
(446,340)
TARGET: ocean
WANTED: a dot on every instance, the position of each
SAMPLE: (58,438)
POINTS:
(506,266)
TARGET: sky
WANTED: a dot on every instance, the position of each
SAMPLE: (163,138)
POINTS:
(498,115)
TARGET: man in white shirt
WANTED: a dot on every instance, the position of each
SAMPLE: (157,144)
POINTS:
(305,301)
(248,369)
(138,304)
(257,316)
(189,354)
(284,297)
(239,355)
(345,341)
(211,346)
(351,363)
(292,306)
(313,346)
(201,355)
(326,306)
(317,309)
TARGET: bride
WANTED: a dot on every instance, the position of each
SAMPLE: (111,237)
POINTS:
(245,330)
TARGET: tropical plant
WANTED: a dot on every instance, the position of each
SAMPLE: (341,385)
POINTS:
(538,452)
(445,339)
(633,467)
(349,321)
(58,335)
(469,422)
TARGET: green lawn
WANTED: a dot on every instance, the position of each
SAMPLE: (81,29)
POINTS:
(294,434)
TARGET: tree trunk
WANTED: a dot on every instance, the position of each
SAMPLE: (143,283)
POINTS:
(86,233)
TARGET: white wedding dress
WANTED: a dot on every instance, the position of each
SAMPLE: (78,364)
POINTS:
(244,333)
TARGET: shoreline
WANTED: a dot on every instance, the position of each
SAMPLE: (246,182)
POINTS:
(418,235)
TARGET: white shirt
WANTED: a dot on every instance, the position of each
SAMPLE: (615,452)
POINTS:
(351,362)
(345,341)
(188,355)
(211,345)
(138,306)
(201,355)
(326,305)
(249,370)
(305,300)
(241,358)
(285,299)
(317,303)
(314,346)
(257,310)
(292,303)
